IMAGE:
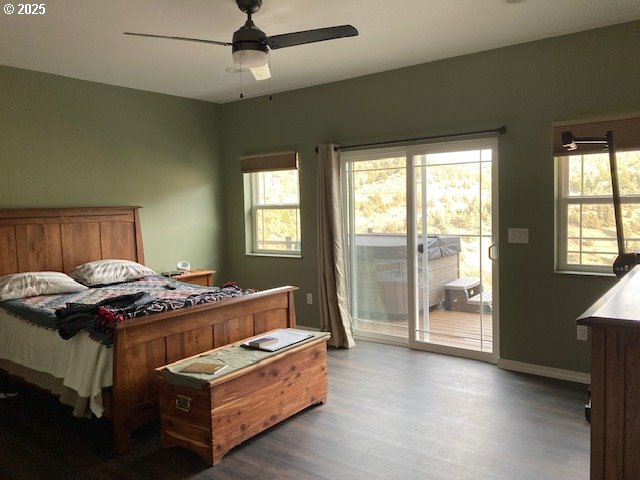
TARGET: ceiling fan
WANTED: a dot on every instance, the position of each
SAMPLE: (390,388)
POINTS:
(250,45)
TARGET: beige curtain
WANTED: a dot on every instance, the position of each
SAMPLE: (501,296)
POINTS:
(334,312)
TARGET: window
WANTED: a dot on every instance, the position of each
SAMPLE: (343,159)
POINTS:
(586,238)
(273,201)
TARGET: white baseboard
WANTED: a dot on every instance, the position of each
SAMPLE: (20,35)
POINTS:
(542,371)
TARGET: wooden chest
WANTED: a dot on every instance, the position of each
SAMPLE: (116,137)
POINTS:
(234,407)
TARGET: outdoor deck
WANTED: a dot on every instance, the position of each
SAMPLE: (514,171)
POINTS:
(449,328)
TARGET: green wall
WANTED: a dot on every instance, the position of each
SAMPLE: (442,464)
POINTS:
(69,142)
(526,88)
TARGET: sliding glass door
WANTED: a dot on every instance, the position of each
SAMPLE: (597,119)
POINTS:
(376,213)
(422,266)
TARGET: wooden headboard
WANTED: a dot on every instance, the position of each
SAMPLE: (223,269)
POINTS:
(59,239)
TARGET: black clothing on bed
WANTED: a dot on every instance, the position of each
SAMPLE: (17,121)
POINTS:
(75,317)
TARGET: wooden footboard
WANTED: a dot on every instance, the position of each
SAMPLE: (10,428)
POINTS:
(142,345)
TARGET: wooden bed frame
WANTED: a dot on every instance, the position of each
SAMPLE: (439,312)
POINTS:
(59,239)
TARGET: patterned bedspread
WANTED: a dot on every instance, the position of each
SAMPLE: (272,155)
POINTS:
(164,295)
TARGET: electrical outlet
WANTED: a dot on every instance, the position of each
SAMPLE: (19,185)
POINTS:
(582,333)
(309,298)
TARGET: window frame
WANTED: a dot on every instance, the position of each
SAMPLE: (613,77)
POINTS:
(253,248)
(563,202)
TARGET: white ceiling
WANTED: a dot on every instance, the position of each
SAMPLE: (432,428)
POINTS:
(83,38)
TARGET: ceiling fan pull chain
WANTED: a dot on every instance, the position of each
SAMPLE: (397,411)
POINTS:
(270,89)
(241,95)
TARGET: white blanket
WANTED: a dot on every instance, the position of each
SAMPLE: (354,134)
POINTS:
(80,364)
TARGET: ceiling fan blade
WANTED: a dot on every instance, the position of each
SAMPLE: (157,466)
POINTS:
(310,36)
(261,73)
(187,39)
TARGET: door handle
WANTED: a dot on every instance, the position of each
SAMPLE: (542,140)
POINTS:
(491,251)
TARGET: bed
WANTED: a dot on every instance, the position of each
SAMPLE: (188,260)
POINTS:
(60,239)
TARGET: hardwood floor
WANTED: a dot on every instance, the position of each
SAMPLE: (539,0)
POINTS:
(393,413)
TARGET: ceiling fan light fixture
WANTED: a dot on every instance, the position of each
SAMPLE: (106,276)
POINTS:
(261,73)
(250,58)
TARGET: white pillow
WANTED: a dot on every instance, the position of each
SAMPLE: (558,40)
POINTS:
(105,272)
(30,284)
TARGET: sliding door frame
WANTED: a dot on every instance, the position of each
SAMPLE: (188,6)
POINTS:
(412,264)
(410,152)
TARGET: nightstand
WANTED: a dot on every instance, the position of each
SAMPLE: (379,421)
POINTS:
(197,277)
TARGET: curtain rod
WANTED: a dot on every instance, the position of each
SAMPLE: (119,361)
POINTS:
(502,130)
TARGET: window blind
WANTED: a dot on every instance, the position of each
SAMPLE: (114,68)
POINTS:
(626,135)
(269,162)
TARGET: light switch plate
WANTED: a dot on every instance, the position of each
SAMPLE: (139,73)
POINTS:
(518,235)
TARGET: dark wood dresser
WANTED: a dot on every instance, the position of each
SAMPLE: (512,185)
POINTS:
(615,380)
